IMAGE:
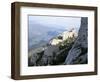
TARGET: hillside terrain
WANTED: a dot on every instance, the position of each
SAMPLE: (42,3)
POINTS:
(68,47)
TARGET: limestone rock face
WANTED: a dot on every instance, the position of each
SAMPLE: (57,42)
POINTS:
(64,36)
(78,52)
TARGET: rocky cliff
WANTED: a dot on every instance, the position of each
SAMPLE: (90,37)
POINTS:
(71,51)
(78,52)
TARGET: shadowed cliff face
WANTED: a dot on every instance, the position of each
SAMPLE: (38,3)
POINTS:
(79,51)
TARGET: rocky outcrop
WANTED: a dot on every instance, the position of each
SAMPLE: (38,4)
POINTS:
(64,36)
(78,53)
(50,54)
(73,50)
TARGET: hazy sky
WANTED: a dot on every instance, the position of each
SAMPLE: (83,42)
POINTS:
(56,22)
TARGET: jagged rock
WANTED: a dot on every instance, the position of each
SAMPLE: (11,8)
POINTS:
(48,56)
(78,53)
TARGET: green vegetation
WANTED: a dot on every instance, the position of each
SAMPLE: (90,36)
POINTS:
(67,43)
(64,47)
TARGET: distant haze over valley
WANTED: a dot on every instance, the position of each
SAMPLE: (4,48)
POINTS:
(43,28)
